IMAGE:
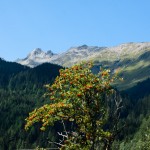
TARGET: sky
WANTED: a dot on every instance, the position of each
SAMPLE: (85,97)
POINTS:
(58,25)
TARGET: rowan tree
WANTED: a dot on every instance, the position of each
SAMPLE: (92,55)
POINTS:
(81,97)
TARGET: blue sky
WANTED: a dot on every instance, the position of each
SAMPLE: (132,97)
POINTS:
(58,25)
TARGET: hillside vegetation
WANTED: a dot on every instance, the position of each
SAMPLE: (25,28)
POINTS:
(21,90)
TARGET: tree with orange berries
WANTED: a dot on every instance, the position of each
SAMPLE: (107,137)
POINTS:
(80,97)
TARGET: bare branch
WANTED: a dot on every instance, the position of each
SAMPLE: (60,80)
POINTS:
(64,137)
(64,128)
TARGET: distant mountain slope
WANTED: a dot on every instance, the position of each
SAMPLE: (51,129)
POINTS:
(140,90)
(38,76)
(131,59)
(8,69)
(21,92)
(83,53)
(36,57)
(17,76)
(78,54)
(68,58)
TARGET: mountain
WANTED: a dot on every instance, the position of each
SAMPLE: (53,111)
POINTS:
(68,58)
(140,90)
(77,54)
(9,69)
(131,59)
(82,53)
(21,91)
(36,57)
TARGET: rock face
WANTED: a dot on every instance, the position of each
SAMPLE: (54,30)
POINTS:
(131,59)
(36,57)
(77,54)
(68,58)
(83,53)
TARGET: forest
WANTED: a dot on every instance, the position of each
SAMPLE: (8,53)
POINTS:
(22,90)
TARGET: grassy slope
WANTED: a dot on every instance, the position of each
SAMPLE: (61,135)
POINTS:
(133,66)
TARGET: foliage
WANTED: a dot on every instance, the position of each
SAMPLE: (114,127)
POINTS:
(140,140)
(81,97)
(137,135)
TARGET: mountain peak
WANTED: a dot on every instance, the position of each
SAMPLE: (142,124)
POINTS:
(50,53)
(1,59)
(36,57)
(36,51)
(82,47)
(83,53)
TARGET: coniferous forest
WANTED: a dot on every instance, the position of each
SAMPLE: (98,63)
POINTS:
(22,90)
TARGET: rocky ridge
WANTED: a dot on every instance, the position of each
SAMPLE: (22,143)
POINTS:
(131,59)
(83,53)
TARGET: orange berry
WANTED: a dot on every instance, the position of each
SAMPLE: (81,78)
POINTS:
(79,95)
(81,75)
